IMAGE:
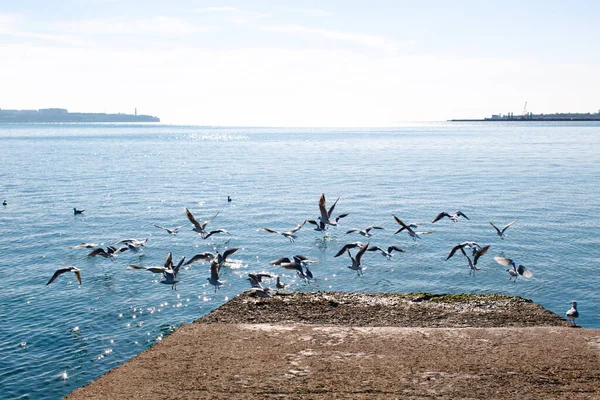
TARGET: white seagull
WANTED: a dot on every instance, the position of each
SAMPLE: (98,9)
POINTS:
(515,270)
(365,232)
(356,260)
(170,275)
(290,235)
(219,258)
(171,231)
(201,228)
(500,232)
(326,215)
(215,275)
(573,313)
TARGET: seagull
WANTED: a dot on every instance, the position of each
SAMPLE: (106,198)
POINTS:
(228,199)
(326,215)
(170,274)
(356,260)
(215,274)
(305,275)
(110,252)
(156,270)
(262,292)
(289,234)
(500,232)
(453,217)
(201,228)
(365,232)
(347,247)
(387,253)
(134,242)
(409,229)
(5,203)
(256,279)
(77,212)
(573,313)
(515,269)
(297,264)
(476,249)
(61,271)
(219,258)
(320,226)
(171,231)
(280,285)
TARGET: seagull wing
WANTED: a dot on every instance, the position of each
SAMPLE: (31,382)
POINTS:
(494,226)
(440,216)
(332,207)
(396,248)
(98,252)
(507,226)
(353,230)
(360,253)
(454,250)
(271,230)
(368,228)
(323,207)
(507,262)
(215,231)
(347,247)
(190,216)
(229,252)
(77,275)
(58,273)
(479,253)
(169,261)
(210,219)
(341,216)
(202,256)
(297,228)
(461,214)
(160,227)
(523,271)
(280,261)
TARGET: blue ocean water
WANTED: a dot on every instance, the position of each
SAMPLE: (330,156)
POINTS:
(56,338)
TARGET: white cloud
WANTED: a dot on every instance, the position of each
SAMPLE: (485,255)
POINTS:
(313,12)
(373,41)
(159,25)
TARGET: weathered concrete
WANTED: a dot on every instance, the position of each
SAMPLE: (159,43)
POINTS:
(286,359)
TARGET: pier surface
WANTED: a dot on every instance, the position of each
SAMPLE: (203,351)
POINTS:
(364,346)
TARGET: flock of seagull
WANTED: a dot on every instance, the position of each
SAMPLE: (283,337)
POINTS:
(472,251)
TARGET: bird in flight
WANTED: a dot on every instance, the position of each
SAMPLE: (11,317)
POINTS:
(515,270)
(171,231)
(290,235)
(500,232)
(61,271)
(453,217)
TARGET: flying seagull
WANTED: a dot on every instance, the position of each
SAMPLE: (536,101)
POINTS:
(515,270)
(365,232)
(215,275)
(61,271)
(453,217)
(155,269)
(201,227)
(326,214)
(409,229)
(170,275)
(289,234)
(219,258)
(387,253)
(357,259)
(500,232)
(171,231)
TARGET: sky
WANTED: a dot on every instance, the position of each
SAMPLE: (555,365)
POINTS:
(301,63)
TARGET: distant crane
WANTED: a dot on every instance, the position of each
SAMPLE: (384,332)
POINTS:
(525,113)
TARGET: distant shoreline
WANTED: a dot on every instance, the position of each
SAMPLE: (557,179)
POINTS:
(54,115)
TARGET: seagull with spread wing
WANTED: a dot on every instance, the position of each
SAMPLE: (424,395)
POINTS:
(515,270)
(500,232)
(61,271)
(290,235)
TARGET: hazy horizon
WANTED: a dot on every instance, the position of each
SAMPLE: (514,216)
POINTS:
(320,64)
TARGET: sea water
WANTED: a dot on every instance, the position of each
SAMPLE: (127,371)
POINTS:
(56,338)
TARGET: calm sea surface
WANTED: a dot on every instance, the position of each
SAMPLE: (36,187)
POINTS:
(56,338)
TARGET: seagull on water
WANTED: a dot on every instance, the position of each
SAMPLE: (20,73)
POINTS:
(61,271)
(515,270)
(500,232)
(365,232)
(77,212)
(409,229)
(5,203)
(326,215)
(356,260)
(289,234)
(453,217)
(171,231)
(573,313)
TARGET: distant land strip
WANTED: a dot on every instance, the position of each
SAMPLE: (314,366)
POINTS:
(63,115)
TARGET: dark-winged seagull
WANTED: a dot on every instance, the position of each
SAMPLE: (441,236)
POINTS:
(290,235)
(500,232)
(171,231)
(453,217)
(61,271)
(357,259)
(365,232)
(409,229)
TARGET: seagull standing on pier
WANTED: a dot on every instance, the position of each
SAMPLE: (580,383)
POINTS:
(573,313)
